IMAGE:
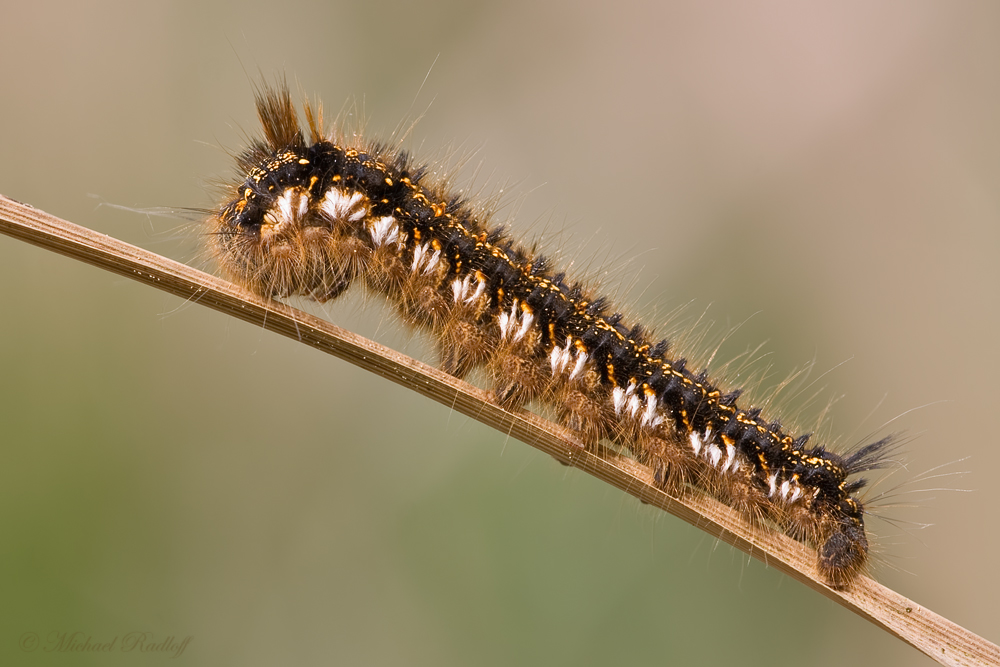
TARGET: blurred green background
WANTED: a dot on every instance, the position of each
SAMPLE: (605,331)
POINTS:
(827,175)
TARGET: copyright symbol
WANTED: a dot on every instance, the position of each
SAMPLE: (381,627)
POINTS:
(28,642)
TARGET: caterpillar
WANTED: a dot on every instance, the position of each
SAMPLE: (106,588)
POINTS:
(312,214)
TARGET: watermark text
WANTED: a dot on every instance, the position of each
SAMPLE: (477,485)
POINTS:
(82,642)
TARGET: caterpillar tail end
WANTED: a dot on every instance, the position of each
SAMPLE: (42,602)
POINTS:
(844,554)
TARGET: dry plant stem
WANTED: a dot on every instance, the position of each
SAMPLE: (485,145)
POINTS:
(938,637)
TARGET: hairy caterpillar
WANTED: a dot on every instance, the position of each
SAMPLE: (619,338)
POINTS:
(312,215)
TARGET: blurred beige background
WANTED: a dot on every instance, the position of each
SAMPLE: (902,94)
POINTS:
(828,176)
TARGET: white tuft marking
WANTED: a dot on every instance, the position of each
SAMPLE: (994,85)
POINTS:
(338,205)
(285,211)
(772,482)
(432,262)
(618,399)
(695,443)
(561,357)
(730,458)
(634,405)
(581,361)
(479,291)
(567,354)
(784,489)
(503,324)
(527,320)
(649,417)
(714,454)
(456,289)
(285,205)
(358,212)
(465,287)
(384,231)
(303,202)
(796,493)
(418,257)
(508,321)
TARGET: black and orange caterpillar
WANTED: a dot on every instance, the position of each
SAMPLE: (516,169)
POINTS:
(310,216)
